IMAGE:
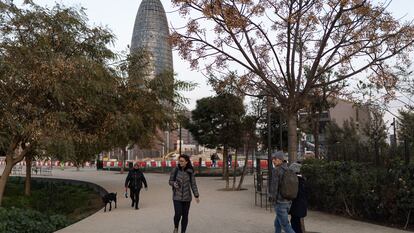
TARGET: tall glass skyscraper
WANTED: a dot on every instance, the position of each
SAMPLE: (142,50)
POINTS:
(151,33)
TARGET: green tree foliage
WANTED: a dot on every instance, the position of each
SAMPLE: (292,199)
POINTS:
(365,143)
(249,140)
(54,79)
(277,124)
(145,104)
(375,131)
(59,92)
(217,122)
(344,143)
(406,133)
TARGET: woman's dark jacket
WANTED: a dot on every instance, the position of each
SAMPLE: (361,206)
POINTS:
(135,179)
(300,203)
(187,183)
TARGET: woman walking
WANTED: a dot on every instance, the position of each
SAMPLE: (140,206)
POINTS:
(183,181)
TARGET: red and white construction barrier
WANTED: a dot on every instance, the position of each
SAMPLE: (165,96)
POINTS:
(174,163)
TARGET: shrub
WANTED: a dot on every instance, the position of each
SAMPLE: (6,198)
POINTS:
(360,190)
(14,220)
(57,203)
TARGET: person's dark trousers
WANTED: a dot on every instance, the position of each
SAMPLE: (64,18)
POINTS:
(181,209)
(296,225)
(134,194)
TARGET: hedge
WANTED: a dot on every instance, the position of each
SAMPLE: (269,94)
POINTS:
(14,220)
(362,191)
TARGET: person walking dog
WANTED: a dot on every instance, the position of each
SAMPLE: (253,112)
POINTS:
(134,182)
(183,182)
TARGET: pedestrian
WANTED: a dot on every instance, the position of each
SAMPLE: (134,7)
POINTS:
(299,207)
(183,182)
(282,205)
(134,182)
(214,159)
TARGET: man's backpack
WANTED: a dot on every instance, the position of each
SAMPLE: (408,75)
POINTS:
(289,185)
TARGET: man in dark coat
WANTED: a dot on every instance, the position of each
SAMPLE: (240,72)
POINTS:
(134,182)
(299,207)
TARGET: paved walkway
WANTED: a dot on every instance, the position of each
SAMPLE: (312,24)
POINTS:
(217,212)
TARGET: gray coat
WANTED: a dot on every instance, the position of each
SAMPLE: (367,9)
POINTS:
(183,193)
(277,174)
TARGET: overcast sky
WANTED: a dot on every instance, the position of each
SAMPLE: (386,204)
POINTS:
(119,17)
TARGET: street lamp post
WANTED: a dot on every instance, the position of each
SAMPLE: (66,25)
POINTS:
(269,142)
(180,136)
(280,131)
(395,135)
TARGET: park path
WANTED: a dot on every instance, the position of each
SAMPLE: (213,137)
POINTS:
(218,211)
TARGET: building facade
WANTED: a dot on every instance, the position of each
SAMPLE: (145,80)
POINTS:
(151,33)
(340,113)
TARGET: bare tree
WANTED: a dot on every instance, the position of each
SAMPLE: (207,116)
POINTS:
(272,41)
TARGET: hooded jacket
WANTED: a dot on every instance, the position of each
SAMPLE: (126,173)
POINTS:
(183,192)
(135,179)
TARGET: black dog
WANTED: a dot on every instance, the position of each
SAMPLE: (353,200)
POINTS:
(108,198)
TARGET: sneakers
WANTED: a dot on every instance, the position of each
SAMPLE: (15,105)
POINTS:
(175,230)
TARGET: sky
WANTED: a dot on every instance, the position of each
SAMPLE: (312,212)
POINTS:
(119,17)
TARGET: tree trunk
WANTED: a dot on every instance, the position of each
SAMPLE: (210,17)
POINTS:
(316,135)
(406,151)
(124,151)
(223,169)
(234,171)
(292,137)
(11,159)
(246,160)
(27,181)
(377,157)
(226,170)
(3,179)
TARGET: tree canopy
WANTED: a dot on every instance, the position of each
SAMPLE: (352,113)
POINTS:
(60,89)
(54,78)
(273,42)
(217,121)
